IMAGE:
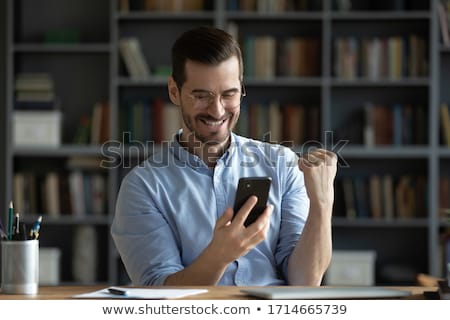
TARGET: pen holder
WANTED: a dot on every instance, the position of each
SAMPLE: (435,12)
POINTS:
(20,266)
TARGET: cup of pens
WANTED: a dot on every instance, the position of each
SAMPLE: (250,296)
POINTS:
(20,266)
(19,256)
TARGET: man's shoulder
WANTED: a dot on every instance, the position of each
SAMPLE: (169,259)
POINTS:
(263,146)
(156,161)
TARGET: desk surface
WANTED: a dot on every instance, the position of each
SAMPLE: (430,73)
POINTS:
(214,293)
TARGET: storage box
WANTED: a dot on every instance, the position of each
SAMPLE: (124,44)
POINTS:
(351,268)
(37,128)
(49,266)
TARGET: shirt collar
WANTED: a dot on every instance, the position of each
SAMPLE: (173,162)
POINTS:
(193,160)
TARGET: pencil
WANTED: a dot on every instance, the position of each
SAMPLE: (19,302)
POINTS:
(10,220)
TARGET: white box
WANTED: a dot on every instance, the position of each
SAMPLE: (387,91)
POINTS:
(351,268)
(37,128)
(49,266)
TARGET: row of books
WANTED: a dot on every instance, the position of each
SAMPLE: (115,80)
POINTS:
(379,124)
(290,124)
(277,6)
(376,58)
(266,56)
(261,6)
(165,5)
(391,5)
(383,196)
(143,120)
(79,188)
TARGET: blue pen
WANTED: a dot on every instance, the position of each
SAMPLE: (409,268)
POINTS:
(34,232)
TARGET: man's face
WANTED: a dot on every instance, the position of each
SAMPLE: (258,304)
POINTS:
(210,101)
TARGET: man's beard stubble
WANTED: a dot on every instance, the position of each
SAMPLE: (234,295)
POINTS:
(204,139)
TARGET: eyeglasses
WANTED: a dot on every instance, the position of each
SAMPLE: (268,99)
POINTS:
(229,99)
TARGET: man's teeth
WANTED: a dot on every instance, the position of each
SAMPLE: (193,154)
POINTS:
(214,123)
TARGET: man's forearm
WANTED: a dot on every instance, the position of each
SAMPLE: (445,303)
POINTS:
(312,254)
(205,270)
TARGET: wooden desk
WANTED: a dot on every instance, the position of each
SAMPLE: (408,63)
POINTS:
(214,293)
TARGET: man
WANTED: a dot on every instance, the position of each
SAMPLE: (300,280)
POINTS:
(174,224)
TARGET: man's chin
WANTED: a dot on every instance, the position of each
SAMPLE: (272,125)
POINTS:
(213,139)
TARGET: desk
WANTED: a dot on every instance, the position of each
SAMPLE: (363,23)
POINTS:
(214,293)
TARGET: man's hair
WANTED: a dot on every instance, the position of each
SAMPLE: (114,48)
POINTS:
(206,45)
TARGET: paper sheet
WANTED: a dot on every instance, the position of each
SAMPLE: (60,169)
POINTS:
(139,293)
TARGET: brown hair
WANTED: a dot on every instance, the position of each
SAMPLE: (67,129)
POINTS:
(206,45)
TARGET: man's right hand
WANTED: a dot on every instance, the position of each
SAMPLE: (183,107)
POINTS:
(232,239)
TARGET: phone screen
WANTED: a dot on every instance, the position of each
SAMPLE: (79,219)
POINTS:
(258,186)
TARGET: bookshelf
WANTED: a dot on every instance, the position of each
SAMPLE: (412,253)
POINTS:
(337,94)
(66,49)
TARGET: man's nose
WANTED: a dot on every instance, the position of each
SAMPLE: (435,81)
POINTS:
(216,109)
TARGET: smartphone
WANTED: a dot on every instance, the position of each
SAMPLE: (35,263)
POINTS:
(258,186)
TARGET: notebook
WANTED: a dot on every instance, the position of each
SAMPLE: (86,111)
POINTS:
(325,292)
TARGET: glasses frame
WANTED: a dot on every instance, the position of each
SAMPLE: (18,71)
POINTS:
(212,98)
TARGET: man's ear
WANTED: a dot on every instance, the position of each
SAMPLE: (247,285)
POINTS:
(174,93)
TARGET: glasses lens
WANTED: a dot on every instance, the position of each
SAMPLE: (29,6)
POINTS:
(230,100)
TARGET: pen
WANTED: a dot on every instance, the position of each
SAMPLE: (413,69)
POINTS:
(34,232)
(16,225)
(10,220)
(20,233)
(118,291)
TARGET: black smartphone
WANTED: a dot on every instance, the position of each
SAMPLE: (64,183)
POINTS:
(257,186)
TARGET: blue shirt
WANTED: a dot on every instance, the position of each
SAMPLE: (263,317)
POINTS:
(167,208)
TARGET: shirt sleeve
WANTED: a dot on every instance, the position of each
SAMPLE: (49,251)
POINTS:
(294,210)
(142,235)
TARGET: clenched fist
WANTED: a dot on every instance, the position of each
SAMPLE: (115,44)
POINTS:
(319,168)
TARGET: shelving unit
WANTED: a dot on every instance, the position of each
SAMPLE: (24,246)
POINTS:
(92,70)
(80,69)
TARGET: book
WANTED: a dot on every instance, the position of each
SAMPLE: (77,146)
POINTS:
(99,126)
(443,24)
(445,124)
(131,51)
(388,196)
(375,196)
(76,191)
(98,190)
(349,197)
(50,194)
(275,122)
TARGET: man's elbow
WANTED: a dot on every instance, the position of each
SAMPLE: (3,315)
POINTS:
(311,280)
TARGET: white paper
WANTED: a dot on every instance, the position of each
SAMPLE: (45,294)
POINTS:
(138,293)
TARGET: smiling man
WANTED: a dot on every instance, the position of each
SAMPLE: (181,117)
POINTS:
(174,223)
